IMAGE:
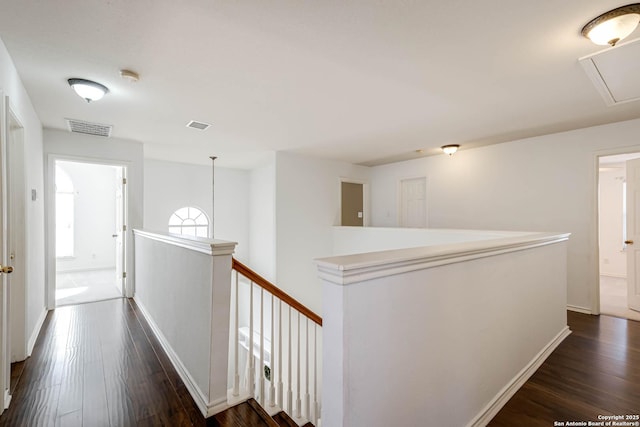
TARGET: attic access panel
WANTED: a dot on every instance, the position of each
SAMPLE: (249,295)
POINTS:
(615,72)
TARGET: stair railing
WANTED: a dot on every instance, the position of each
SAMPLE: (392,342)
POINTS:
(295,328)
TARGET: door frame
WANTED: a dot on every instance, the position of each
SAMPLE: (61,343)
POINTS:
(10,233)
(365,199)
(5,352)
(595,224)
(50,233)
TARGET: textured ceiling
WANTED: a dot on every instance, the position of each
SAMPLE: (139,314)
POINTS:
(361,81)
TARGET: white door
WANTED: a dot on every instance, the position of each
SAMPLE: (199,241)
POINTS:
(16,195)
(633,234)
(121,229)
(5,365)
(413,202)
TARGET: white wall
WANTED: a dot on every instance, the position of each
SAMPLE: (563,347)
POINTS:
(20,104)
(262,220)
(438,338)
(307,206)
(72,146)
(613,260)
(546,183)
(169,186)
(94,217)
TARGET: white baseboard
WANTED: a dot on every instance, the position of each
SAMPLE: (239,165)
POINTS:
(207,408)
(579,309)
(490,411)
(614,275)
(7,399)
(85,269)
(36,331)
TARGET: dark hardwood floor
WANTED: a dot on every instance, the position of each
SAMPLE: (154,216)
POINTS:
(98,364)
(595,371)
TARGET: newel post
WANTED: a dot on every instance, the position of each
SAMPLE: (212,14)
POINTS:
(220,311)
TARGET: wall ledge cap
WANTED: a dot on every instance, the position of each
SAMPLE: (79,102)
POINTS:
(348,269)
(213,247)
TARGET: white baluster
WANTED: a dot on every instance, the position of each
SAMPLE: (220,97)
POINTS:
(261,369)
(316,409)
(272,379)
(289,378)
(252,383)
(236,374)
(280,385)
(307,400)
(298,401)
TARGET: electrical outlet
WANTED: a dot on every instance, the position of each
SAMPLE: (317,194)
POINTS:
(267,373)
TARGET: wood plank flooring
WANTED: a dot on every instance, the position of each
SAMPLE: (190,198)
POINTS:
(98,364)
(595,371)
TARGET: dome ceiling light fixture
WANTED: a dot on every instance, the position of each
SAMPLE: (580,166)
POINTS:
(87,89)
(450,149)
(613,26)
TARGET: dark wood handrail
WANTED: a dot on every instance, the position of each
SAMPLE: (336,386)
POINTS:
(274,290)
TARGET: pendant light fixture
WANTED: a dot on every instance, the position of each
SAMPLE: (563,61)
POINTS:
(613,26)
(87,89)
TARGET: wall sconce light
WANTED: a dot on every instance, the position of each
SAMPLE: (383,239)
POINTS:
(450,149)
(613,26)
(88,90)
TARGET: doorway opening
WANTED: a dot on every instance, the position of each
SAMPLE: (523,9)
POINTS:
(89,231)
(615,287)
(352,204)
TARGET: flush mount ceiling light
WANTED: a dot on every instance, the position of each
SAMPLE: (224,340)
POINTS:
(88,90)
(450,149)
(613,26)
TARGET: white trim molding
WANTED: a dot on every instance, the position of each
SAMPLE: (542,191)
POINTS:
(199,244)
(578,309)
(348,269)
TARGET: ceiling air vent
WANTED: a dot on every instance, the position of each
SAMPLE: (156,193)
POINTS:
(198,125)
(79,126)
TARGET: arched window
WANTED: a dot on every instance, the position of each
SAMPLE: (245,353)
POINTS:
(189,221)
(65,220)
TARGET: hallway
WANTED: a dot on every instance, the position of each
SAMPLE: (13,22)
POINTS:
(97,364)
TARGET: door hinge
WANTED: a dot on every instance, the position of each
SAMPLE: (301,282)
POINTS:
(124,228)
(124,181)
(124,274)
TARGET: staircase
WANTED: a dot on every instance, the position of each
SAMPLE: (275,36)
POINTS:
(275,359)
(251,414)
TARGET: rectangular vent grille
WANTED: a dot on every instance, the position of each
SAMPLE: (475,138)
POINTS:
(198,125)
(79,126)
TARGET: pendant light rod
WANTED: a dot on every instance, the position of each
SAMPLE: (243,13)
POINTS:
(213,193)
